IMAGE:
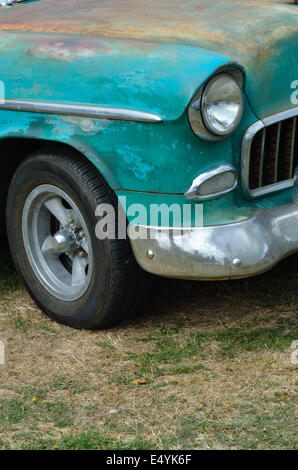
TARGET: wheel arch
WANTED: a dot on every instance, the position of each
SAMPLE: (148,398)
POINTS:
(14,150)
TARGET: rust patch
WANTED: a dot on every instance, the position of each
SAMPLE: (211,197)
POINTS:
(216,22)
(228,27)
(262,54)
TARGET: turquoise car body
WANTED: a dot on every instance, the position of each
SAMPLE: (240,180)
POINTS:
(149,57)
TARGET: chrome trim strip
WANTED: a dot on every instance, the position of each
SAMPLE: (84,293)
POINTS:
(277,153)
(191,193)
(293,145)
(270,188)
(246,146)
(262,156)
(96,112)
(236,250)
(245,155)
(273,118)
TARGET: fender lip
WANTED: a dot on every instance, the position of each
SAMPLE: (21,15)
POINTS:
(237,250)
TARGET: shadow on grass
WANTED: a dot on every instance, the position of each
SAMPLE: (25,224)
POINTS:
(9,279)
(178,298)
(276,289)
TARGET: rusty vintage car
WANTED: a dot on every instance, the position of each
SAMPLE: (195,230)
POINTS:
(114,104)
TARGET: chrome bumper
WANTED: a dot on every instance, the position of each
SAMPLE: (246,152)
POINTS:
(236,250)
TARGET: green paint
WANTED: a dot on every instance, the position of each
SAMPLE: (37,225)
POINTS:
(156,74)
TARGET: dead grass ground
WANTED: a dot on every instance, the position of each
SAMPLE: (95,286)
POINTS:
(215,358)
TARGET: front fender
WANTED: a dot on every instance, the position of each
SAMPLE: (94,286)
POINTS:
(123,73)
(142,75)
(133,156)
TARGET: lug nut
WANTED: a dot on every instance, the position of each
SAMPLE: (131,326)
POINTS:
(236,263)
(150,254)
(70,221)
(82,254)
(81,234)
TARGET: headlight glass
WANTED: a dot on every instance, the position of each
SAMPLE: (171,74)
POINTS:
(222,105)
(216,110)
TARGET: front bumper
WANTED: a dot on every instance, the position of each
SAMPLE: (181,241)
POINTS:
(235,250)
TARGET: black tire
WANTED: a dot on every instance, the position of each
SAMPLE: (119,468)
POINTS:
(117,283)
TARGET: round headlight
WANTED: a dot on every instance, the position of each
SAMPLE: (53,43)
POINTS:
(216,110)
(222,105)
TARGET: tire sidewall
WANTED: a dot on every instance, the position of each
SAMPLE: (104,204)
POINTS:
(47,170)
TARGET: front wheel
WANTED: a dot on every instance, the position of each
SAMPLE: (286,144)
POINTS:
(74,277)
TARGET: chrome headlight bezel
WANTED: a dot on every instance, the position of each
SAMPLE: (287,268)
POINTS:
(196,115)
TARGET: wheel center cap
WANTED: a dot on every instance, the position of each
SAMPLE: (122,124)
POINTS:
(65,241)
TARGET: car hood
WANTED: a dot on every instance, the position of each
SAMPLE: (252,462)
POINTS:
(261,35)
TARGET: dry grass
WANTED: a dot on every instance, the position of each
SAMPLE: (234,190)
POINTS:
(215,358)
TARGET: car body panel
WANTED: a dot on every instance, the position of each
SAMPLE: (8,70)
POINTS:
(132,156)
(145,76)
(151,57)
(261,35)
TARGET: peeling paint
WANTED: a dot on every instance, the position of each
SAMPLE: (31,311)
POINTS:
(58,51)
(135,162)
(89,126)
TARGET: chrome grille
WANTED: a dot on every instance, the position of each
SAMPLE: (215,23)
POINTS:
(270,154)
